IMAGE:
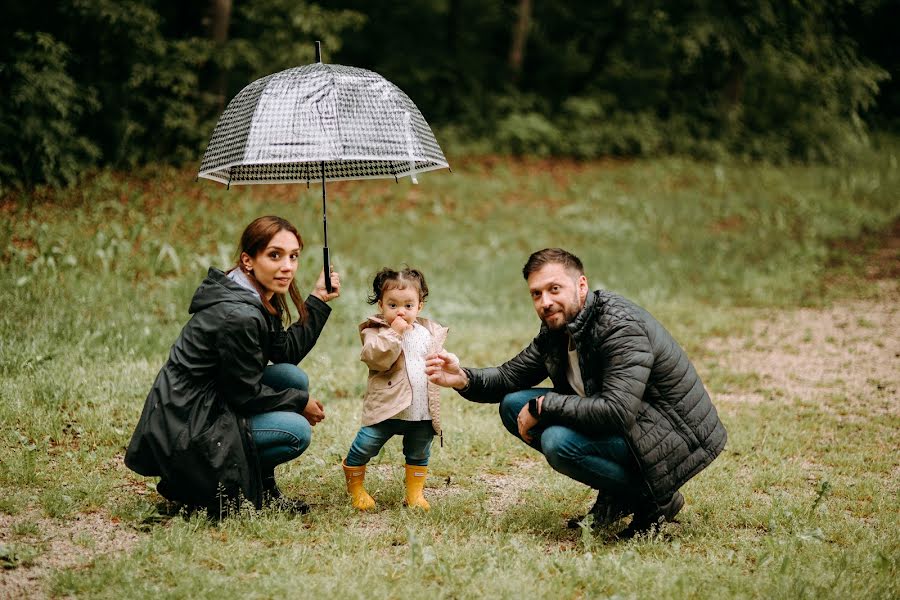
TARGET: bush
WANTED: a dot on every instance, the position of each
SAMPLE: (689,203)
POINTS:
(528,133)
(39,115)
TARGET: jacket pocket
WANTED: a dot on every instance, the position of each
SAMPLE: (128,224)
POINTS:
(215,443)
(386,381)
(208,463)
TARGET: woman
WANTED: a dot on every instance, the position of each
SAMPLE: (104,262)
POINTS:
(218,419)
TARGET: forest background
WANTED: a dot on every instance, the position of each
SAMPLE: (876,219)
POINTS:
(121,83)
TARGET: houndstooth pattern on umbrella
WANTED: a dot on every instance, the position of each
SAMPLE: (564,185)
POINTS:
(280,128)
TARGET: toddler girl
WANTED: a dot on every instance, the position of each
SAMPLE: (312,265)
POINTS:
(399,398)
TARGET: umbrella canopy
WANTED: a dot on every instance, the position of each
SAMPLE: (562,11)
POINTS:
(320,119)
(320,122)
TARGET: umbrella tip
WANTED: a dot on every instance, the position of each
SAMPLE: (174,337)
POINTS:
(318,51)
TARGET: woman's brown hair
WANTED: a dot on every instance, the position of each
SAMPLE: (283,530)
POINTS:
(254,240)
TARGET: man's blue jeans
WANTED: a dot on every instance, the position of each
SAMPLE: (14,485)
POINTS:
(417,438)
(281,436)
(604,462)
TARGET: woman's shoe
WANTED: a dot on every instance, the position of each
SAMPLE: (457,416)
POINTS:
(273,499)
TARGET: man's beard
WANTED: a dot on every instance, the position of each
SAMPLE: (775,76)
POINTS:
(569,313)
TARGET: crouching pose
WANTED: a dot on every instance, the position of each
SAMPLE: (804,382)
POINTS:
(219,418)
(627,414)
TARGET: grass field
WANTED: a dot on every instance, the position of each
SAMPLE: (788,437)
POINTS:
(780,282)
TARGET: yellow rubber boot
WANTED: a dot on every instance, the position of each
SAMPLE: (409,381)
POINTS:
(355,477)
(415,483)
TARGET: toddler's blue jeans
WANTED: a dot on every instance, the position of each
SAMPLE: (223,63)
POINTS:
(417,438)
(281,436)
(601,462)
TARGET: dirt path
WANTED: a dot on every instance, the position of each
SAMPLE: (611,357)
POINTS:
(851,348)
(40,545)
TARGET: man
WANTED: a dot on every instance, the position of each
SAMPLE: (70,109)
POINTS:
(627,414)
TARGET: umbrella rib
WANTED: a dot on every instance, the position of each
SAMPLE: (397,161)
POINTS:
(337,113)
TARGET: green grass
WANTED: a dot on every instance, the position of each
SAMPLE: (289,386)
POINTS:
(96,284)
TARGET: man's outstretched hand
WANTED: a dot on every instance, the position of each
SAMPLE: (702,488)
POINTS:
(442,368)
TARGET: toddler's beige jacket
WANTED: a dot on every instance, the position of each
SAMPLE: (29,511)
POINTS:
(388,390)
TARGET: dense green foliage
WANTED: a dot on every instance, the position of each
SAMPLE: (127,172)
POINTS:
(121,83)
(802,504)
(765,79)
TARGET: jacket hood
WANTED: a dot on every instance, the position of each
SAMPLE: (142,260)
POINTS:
(374,321)
(436,329)
(216,288)
(378,321)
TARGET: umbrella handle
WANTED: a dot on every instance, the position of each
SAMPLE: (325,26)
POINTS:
(327,270)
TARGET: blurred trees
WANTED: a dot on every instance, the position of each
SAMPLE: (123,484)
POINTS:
(125,82)
(762,78)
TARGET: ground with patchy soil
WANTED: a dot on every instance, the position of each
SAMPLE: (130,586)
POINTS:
(52,544)
(850,348)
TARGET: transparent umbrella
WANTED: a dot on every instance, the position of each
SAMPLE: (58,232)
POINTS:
(320,122)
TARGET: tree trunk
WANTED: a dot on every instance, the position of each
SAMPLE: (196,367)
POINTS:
(454,28)
(218,20)
(732,94)
(519,38)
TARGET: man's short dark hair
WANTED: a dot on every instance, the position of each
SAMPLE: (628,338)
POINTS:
(552,256)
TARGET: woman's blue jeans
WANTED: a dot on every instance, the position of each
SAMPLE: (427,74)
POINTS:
(281,436)
(417,438)
(602,462)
